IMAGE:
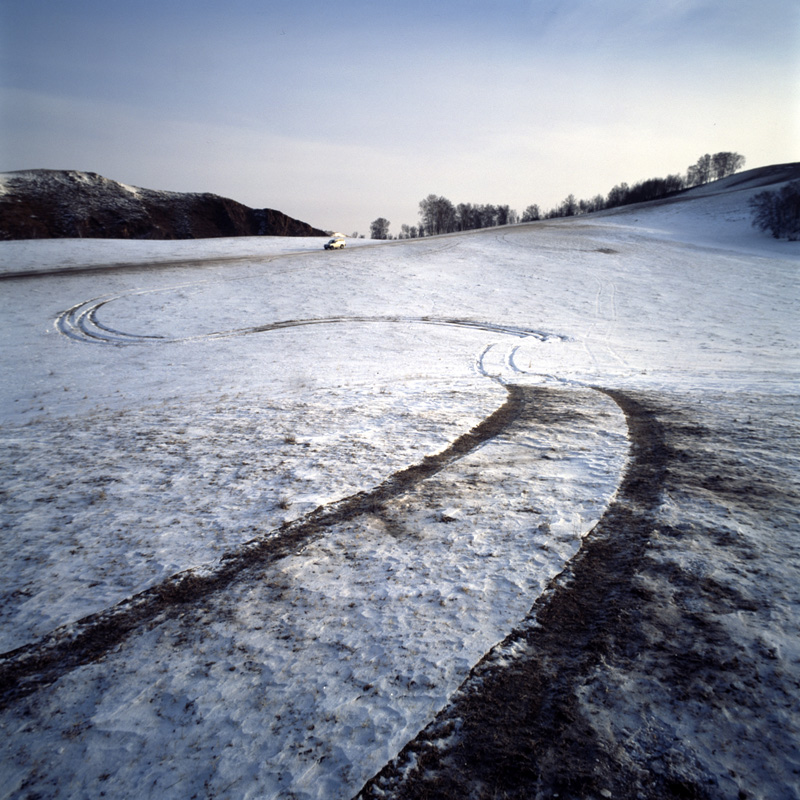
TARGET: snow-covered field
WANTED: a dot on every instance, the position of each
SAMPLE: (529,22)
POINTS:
(199,400)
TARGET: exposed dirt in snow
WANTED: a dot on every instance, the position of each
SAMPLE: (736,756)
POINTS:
(658,665)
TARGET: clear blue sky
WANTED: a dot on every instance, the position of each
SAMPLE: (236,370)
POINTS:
(337,113)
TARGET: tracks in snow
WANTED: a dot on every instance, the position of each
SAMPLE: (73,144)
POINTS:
(512,721)
(495,361)
(81,323)
(181,599)
(39,664)
(35,666)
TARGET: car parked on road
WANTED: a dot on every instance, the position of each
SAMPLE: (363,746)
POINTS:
(336,243)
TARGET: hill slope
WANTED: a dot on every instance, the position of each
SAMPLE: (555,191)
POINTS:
(52,204)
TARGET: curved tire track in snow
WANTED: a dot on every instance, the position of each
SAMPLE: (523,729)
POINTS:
(32,666)
(36,666)
(40,664)
(514,725)
(81,323)
(627,678)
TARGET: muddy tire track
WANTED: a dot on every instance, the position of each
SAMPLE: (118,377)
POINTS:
(38,664)
(627,678)
(513,729)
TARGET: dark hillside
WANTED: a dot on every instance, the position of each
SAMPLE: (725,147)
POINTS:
(54,204)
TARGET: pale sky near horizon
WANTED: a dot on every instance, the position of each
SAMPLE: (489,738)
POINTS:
(339,113)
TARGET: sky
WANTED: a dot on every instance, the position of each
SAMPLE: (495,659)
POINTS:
(339,113)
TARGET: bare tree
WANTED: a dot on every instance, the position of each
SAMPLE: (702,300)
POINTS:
(618,195)
(379,228)
(464,216)
(438,215)
(699,173)
(712,168)
(724,164)
(503,215)
(531,213)
(588,206)
(569,206)
(488,216)
(778,212)
(427,213)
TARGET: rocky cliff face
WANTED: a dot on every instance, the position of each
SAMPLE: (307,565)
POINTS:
(50,204)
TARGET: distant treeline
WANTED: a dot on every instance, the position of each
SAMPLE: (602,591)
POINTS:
(440,215)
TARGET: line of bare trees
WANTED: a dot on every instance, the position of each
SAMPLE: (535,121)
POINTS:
(707,168)
(439,215)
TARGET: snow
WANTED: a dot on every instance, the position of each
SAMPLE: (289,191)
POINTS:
(132,189)
(719,221)
(64,255)
(168,420)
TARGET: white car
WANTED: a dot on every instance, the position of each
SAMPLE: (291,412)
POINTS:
(336,243)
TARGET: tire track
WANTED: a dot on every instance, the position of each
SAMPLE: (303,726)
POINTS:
(513,729)
(81,324)
(33,666)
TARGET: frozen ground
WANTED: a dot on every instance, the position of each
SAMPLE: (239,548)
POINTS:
(265,507)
